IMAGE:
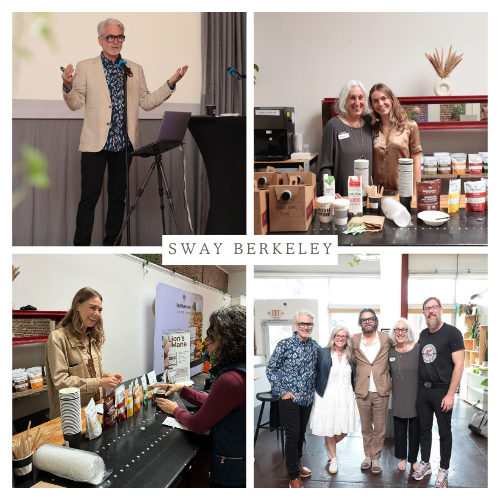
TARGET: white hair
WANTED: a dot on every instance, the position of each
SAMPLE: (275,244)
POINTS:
(108,22)
(303,312)
(410,338)
(340,105)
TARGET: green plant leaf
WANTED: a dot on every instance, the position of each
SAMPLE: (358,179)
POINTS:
(485,382)
(256,68)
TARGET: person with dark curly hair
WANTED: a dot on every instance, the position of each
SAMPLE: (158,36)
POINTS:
(223,410)
(73,352)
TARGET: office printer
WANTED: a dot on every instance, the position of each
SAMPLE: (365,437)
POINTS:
(274,129)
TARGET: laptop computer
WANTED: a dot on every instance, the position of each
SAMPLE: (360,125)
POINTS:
(170,134)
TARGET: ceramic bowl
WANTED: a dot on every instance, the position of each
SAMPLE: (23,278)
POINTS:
(433,217)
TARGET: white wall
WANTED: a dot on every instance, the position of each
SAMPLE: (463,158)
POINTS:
(236,283)
(49,283)
(261,313)
(160,42)
(305,57)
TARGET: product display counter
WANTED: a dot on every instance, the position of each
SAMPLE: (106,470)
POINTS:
(142,452)
(464,228)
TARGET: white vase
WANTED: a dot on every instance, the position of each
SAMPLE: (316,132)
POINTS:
(443,83)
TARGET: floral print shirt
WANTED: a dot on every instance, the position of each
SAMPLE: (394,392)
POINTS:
(296,360)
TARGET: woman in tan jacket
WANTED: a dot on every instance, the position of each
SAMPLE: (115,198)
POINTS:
(73,353)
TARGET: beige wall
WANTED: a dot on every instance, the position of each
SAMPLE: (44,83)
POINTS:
(305,57)
(159,42)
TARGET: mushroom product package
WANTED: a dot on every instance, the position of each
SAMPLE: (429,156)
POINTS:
(475,195)
(121,406)
(152,383)
(93,427)
(458,163)
(486,197)
(355,192)
(454,195)
(35,377)
(130,400)
(144,390)
(475,164)
(108,414)
(137,396)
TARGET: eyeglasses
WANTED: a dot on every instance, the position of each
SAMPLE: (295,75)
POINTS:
(431,308)
(305,325)
(112,38)
(401,330)
(340,337)
(368,320)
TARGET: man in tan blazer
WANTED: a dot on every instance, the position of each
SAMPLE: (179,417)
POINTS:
(373,386)
(98,84)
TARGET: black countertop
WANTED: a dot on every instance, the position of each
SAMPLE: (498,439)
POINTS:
(154,457)
(464,228)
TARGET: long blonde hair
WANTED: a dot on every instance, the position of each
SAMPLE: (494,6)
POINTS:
(348,346)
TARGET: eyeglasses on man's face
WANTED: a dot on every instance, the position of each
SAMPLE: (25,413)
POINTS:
(401,330)
(431,308)
(305,325)
(112,38)
(371,319)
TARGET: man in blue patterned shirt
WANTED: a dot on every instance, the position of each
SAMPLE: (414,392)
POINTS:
(98,84)
(291,372)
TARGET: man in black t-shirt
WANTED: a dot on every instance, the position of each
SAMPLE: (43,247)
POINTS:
(440,369)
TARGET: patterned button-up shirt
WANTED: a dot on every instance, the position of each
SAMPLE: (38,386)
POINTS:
(296,360)
(114,78)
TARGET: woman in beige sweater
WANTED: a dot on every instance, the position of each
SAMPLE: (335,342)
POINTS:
(73,353)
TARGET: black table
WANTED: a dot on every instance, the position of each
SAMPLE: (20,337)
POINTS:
(152,458)
(222,143)
(463,229)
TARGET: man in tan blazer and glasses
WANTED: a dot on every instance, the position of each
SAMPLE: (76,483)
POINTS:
(98,84)
(373,386)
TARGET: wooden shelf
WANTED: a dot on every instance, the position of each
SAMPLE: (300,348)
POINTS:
(16,396)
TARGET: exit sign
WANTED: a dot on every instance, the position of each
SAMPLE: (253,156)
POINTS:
(275,313)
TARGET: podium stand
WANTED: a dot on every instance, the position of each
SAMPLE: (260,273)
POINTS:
(222,144)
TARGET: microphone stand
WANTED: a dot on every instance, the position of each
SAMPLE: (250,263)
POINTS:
(127,182)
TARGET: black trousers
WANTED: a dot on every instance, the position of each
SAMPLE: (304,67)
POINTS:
(406,438)
(428,405)
(93,166)
(294,419)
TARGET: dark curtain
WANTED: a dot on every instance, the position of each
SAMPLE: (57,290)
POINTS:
(48,216)
(224,45)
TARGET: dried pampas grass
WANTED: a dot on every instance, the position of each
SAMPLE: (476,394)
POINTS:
(441,67)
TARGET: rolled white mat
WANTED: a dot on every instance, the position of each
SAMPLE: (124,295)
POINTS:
(77,465)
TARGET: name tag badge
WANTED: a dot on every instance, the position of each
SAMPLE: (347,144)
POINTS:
(376,138)
(392,359)
(343,135)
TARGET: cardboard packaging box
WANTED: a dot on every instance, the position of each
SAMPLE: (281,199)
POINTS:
(292,214)
(260,210)
(306,178)
(271,177)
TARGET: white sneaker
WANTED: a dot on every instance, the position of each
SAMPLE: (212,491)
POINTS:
(334,465)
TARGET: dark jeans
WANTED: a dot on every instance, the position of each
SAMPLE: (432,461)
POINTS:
(294,419)
(428,405)
(93,167)
(406,438)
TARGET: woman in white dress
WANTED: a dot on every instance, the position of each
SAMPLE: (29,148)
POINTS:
(334,412)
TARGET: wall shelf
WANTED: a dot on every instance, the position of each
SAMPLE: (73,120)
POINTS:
(35,339)
(16,396)
(327,111)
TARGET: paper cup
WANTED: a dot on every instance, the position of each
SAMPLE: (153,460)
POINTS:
(71,410)
(375,205)
(210,109)
(340,210)
(72,440)
(325,208)
(23,469)
(406,202)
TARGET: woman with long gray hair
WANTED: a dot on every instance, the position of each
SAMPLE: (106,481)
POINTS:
(403,367)
(334,412)
(347,136)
